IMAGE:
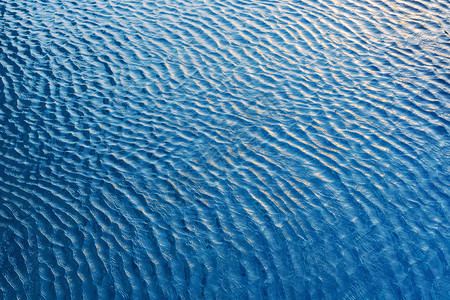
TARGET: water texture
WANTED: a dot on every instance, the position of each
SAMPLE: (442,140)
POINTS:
(224,149)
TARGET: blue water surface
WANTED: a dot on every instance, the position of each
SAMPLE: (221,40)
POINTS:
(229,149)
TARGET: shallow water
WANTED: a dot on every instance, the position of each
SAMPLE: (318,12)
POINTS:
(225,149)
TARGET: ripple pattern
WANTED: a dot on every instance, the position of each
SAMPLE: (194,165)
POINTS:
(224,149)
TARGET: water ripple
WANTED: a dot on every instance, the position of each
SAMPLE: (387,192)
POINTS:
(236,149)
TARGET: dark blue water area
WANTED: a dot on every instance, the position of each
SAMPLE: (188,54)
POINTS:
(228,149)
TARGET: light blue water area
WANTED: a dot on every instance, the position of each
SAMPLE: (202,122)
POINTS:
(224,149)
